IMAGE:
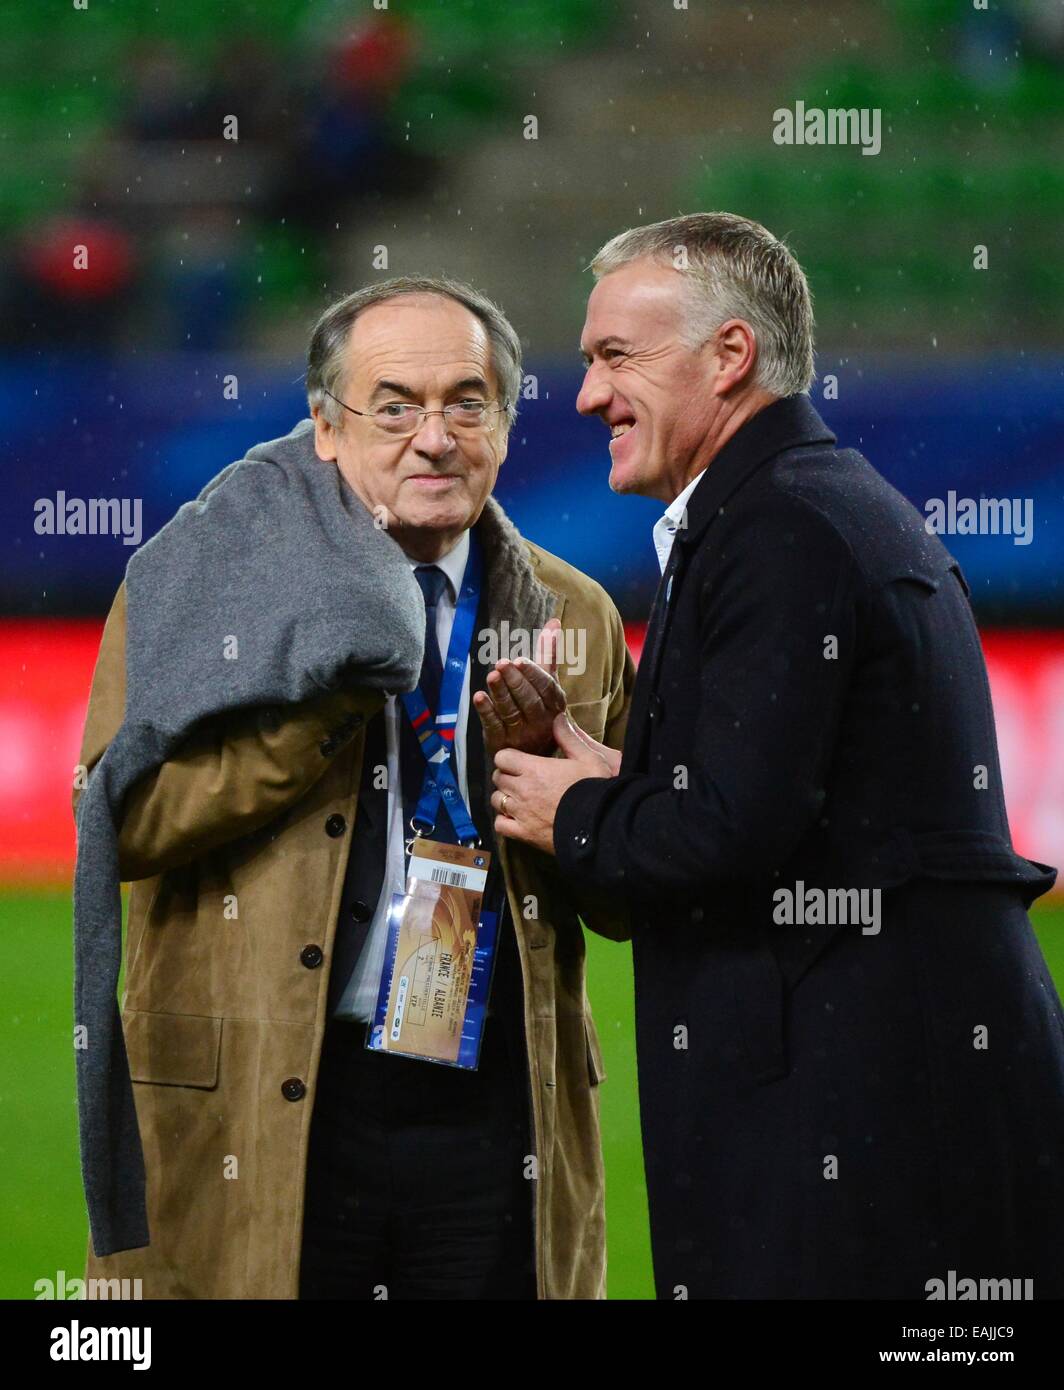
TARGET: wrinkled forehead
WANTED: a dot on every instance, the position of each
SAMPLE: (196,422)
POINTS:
(641,302)
(424,341)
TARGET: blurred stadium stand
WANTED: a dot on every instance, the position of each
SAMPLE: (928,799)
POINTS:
(404,127)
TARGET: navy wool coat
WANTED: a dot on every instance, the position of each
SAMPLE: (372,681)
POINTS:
(851,1054)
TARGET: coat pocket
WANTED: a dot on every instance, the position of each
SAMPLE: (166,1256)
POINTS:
(976,856)
(961,856)
(173,1049)
(596,1072)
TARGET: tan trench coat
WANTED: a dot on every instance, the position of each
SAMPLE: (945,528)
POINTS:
(232,876)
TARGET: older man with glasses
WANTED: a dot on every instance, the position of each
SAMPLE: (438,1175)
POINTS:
(376,1155)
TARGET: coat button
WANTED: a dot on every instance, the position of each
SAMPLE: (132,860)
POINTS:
(312,956)
(335,826)
(293,1089)
(360,911)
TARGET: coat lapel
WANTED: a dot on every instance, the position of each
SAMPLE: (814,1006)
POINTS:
(649,663)
(785,424)
(514,596)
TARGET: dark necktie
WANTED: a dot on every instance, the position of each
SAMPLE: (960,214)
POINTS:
(412,764)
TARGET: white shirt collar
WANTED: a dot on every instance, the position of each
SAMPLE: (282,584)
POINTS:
(453,563)
(665,527)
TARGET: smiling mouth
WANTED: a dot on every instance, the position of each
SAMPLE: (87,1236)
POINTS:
(620,431)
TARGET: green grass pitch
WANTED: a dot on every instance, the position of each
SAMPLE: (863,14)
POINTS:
(40,1186)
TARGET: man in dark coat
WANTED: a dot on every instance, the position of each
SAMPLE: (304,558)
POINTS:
(851,1054)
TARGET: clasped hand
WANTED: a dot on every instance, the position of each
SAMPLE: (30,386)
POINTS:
(523,712)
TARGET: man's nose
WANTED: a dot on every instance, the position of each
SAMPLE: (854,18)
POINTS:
(594,393)
(433,439)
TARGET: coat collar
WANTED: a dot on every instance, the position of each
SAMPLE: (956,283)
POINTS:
(514,590)
(785,424)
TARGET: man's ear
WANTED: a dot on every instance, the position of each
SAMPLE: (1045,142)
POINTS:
(735,353)
(503,438)
(324,436)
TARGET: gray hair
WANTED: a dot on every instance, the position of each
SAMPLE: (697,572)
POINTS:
(738,270)
(326,356)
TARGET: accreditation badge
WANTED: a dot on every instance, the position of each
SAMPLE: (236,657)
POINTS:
(438,959)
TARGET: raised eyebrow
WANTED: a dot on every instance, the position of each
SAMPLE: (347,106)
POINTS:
(469,383)
(393,388)
(396,388)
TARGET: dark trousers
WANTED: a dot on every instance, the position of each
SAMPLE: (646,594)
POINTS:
(416,1185)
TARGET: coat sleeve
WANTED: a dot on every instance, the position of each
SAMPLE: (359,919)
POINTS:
(611,920)
(232,775)
(776,635)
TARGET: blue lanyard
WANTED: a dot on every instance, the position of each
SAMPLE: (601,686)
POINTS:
(436,734)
